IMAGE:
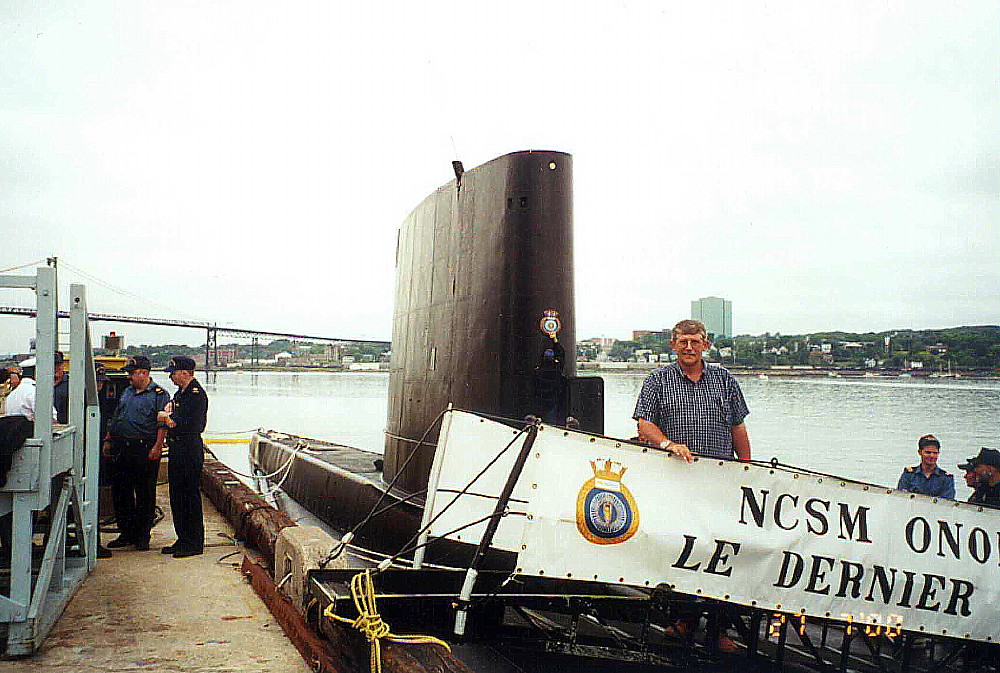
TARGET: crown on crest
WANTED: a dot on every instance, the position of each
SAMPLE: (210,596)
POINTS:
(612,471)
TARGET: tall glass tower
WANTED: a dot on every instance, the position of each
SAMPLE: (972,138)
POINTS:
(716,313)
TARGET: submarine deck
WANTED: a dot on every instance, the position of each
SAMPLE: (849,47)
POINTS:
(361,462)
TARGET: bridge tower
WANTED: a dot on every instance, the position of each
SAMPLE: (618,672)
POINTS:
(212,348)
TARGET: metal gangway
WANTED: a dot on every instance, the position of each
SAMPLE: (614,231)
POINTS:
(52,486)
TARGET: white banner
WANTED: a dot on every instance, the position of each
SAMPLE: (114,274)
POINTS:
(600,509)
(466,446)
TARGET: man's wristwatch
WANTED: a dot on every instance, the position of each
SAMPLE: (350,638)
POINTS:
(666,444)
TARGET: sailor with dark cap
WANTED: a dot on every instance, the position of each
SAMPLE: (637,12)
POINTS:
(927,478)
(185,418)
(971,478)
(987,469)
(134,441)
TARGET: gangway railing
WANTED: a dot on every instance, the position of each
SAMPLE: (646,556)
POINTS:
(55,470)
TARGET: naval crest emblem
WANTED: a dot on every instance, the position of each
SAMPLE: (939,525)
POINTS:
(606,512)
(550,323)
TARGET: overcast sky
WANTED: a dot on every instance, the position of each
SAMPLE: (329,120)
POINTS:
(822,165)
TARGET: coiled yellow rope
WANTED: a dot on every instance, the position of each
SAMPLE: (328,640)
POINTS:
(369,622)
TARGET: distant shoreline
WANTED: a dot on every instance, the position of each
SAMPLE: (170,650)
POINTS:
(293,370)
(593,367)
(640,367)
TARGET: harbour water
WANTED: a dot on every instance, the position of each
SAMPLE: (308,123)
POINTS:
(860,428)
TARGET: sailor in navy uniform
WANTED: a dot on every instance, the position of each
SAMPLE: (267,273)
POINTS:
(134,442)
(987,482)
(185,420)
(927,478)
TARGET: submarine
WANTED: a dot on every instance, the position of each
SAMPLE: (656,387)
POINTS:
(484,320)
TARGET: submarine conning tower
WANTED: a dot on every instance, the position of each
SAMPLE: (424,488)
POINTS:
(481,264)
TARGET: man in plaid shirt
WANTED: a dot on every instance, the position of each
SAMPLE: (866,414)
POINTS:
(692,406)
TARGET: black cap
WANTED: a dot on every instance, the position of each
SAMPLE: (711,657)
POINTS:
(60,358)
(138,362)
(968,465)
(180,362)
(988,456)
(927,440)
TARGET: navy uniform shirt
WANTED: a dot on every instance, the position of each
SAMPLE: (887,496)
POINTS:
(986,495)
(700,414)
(60,399)
(940,483)
(135,415)
(190,410)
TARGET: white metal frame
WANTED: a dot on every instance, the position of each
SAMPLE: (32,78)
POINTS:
(57,468)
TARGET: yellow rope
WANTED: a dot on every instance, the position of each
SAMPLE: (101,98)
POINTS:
(370,623)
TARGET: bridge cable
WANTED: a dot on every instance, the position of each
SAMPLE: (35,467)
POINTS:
(123,292)
(23,266)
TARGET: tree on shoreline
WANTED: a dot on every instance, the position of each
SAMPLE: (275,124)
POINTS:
(971,348)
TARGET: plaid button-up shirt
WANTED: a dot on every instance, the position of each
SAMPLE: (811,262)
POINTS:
(699,414)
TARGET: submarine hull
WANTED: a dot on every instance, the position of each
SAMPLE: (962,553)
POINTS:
(480,263)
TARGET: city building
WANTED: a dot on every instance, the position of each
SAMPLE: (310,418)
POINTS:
(602,343)
(638,334)
(716,313)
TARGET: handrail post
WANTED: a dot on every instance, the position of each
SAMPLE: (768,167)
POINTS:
(463,603)
(46,338)
(84,414)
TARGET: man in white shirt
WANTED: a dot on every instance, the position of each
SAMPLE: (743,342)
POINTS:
(21,401)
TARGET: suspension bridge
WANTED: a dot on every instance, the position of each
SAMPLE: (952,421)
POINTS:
(212,330)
